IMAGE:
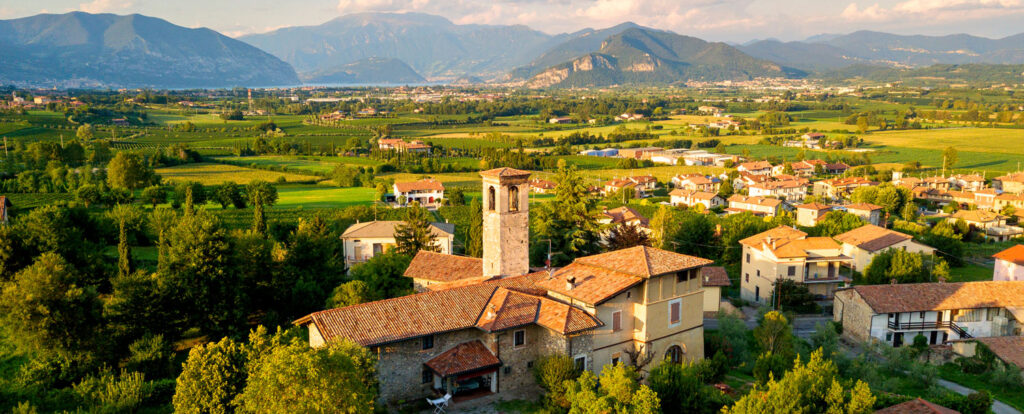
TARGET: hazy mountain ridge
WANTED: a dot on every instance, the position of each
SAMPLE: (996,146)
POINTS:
(130,51)
(366,71)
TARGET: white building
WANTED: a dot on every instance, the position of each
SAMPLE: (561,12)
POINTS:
(363,241)
(785,253)
(1009,264)
(428,192)
(787,189)
(691,198)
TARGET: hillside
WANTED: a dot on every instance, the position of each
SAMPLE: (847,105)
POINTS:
(578,44)
(433,46)
(82,49)
(644,56)
(366,71)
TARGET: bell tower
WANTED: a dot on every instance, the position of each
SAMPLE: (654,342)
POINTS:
(506,227)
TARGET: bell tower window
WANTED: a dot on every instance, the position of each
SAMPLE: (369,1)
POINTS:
(491,199)
(513,198)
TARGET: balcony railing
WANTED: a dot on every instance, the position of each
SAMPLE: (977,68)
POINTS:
(921,326)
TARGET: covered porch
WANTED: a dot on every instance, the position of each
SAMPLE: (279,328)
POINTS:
(466,371)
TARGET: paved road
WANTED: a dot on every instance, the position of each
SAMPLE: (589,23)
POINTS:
(998,407)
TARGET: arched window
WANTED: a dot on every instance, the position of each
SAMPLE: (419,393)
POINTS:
(513,199)
(491,199)
(674,354)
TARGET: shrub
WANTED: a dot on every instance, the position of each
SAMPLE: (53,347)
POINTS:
(551,373)
(113,394)
(151,356)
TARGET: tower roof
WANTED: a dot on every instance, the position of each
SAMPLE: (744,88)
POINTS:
(505,172)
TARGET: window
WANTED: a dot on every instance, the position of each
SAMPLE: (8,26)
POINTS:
(921,315)
(506,370)
(748,257)
(428,342)
(427,377)
(757,293)
(758,273)
(518,338)
(491,199)
(580,362)
(680,277)
(616,357)
(674,354)
(617,321)
(674,312)
(529,364)
(513,198)
(747,276)
(888,337)
(791,271)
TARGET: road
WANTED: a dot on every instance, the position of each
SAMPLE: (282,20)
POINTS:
(998,407)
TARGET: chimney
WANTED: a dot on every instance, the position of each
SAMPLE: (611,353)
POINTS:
(570,282)
(490,311)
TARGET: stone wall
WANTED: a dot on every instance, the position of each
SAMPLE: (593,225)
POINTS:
(400,364)
(854,313)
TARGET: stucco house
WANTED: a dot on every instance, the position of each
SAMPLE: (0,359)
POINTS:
(758,206)
(787,253)
(1009,264)
(427,192)
(866,211)
(713,278)
(363,241)
(478,325)
(755,168)
(807,215)
(865,242)
(691,198)
(896,313)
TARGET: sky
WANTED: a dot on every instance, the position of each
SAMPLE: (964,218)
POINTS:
(716,20)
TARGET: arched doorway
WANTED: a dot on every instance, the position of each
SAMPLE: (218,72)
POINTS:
(674,354)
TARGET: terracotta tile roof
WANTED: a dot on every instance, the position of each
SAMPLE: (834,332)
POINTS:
(848,181)
(510,308)
(771,185)
(753,178)
(625,214)
(386,229)
(916,297)
(696,195)
(543,184)
(756,165)
(390,320)
(505,172)
(978,216)
(872,238)
(643,261)
(1014,254)
(1010,349)
(837,166)
(787,242)
(592,285)
(936,180)
(778,233)
(421,185)
(462,358)
(916,406)
(714,276)
(441,267)
(814,206)
(1014,177)
(863,206)
(760,201)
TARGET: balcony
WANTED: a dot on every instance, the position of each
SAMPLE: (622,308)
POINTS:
(925,326)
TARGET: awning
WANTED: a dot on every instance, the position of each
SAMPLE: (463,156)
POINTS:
(464,358)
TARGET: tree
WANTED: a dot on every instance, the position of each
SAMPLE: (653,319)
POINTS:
(474,234)
(89,194)
(212,376)
(813,387)
(154,194)
(835,223)
(909,212)
(774,334)
(616,391)
(551,373)
(47,311)
(663,225)
(229,194)
(862,124)
(624,236)
(949,158)
(946,242)
(345,176)
(415,233)
(181,192)
(340,377)
(85,132)
(128,170)
(261,194)
(349,293)
(899,265)
(383,275)
(569,220)
(681,390)
(694,235)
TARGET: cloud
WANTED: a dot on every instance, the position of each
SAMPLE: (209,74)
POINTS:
(356,6)
(933,10)
(106,6)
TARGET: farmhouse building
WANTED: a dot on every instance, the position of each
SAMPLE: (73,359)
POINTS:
(427,192)
(758,206)
(363,241)
(1009,264)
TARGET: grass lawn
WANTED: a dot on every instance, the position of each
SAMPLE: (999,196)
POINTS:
(300,162)
(314,196)
(1000,140)
(1008,395)
(970,273)
(212,174)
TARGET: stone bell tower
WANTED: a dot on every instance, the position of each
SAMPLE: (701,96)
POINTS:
(506,229)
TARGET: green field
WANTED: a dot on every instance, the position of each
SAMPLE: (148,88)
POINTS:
(213,174)
(313,196)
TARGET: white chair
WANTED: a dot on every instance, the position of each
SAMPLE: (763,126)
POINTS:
(440,404)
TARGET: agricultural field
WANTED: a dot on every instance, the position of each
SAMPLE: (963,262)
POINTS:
(213,174)
(320,196)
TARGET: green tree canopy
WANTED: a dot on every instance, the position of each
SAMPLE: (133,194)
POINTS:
(414,234)
(129,170)
(211,378)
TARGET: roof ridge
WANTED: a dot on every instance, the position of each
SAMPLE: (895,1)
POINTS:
(647,260)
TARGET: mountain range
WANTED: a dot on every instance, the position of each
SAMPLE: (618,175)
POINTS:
(81,49)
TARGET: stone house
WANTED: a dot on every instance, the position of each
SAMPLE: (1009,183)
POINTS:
(363,241)
(896,313)
(477,325)
(867,241)
(1010,183)
(785,253)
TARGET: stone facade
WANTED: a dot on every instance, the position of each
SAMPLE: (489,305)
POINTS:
(400,364)
(853,313)
(506,227)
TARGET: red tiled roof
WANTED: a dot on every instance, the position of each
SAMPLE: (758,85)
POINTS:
(760,201)
(814,206)
(1014,254)
(1010,349)
(592,285)
(463,358)
(872,238)
(643,261)
(424,184)
(978,216)
(505,172)
(511,308)
(714,276)
(624,214)
(694,194)
(916,406)
(916,297)
(863,206)
(441,267)
(756,165)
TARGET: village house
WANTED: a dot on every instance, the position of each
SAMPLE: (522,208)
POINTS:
(938,183)
(540,186)
(560,120)
(1000,201)
(917,405)
(713,278)
(895,313)
(427,192)
(697,182)
(968,182)
(479,324)
(1010,183)
(867,241)
(629,117)
(836,168)
(990,225)
(710,110)
(840,188)
(868,212)
(807,215)
(363,241)
(398,144)
(930,194)
(1009,349)
(786,190)
(745,179)
(758,206)
(1009,264)
(804,168)
(755,168)
(785,253)
(690,198)
(623,215)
